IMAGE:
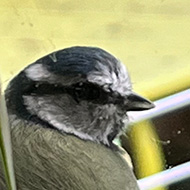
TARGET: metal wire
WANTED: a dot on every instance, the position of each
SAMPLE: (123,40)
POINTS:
(166,177)
(177,173)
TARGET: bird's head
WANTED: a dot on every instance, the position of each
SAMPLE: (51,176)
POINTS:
(83,91)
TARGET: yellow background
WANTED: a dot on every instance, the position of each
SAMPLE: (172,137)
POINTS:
(151,37)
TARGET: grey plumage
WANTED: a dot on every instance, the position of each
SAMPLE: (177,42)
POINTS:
(65,110)
(59,161)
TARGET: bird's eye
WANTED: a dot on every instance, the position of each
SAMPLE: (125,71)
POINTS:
(85,91)
(79,91)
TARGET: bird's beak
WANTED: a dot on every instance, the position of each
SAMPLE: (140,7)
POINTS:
(136,102)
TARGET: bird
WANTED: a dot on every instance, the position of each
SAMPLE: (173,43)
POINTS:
(65,110)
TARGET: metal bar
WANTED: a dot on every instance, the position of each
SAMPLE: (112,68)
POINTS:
(177,173)
(166,177)
(163,106)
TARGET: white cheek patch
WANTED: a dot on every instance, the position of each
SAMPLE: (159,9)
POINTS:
(53,115)
(37,72)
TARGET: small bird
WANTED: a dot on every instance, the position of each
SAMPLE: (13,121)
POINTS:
(65,110)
